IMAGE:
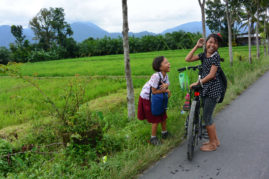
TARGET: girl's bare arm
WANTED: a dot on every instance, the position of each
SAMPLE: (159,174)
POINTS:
(191,57)
(211,75)
(157,91)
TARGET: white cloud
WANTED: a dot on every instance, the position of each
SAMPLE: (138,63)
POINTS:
(150,15)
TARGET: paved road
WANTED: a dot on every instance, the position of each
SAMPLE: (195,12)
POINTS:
(243,130)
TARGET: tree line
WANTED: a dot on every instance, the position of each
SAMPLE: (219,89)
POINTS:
(53,36)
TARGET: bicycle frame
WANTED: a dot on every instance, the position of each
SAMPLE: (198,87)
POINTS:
(194,120)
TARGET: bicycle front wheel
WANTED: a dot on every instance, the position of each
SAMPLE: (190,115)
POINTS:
(191,135)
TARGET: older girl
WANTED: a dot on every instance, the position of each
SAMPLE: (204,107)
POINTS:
(211,84)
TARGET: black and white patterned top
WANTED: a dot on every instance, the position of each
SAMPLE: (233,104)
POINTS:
(211,88)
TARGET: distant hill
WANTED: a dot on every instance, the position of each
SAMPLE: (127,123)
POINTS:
(188,27)
(84,30)
(5,35)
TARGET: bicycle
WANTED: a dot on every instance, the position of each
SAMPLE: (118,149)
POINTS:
(193,123)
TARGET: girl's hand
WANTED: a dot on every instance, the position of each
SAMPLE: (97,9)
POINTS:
(200,42)
(194,84)
(163,90)
(164,86)
(169,93)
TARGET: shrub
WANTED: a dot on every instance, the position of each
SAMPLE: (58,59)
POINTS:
(82,128)
(41,55)
(240,57)
(4,55)
(8,162)
(5,161)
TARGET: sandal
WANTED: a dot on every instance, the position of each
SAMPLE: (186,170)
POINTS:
(208,148)
(206,143)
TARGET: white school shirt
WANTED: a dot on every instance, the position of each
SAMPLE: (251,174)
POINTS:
(153,82)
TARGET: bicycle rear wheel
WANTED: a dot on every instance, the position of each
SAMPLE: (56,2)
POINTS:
(191,135)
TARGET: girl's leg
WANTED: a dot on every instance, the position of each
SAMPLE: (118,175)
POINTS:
(154,129)
(212,134)
(209,106)
(215,136)
(165,134)
(211,145)
(163,125)
(154,140)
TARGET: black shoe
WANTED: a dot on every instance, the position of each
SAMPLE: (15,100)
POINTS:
(166,135)
(155,141)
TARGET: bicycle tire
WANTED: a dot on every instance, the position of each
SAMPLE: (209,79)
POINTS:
(191,132)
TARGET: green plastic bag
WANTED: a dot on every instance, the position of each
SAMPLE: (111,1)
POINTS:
(184,81)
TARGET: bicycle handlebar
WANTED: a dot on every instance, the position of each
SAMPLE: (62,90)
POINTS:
(191,67)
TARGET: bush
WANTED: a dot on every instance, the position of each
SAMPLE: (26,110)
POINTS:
(41,55)
(4,55)
(5,149)
(8,162)
(82,128)
(240,57)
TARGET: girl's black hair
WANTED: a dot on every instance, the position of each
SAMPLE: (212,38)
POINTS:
(218,39)
(156,64)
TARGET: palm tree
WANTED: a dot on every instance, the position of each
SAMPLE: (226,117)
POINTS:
(249,40)
(265,33)
(265,5)
(250,11)
(128,74)
(202,6)
(236,11)
(228,16)
(257,28)
(268,35)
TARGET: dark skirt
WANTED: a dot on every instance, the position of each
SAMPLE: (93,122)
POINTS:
(144,112)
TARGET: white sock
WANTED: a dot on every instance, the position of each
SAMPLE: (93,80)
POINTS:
(153,137)
(163,132)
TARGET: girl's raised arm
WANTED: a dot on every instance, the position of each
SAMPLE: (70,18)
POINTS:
(190,57)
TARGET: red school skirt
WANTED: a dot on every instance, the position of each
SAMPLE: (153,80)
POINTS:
(144,112)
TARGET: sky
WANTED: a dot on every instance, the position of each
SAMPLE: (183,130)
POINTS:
(144,15)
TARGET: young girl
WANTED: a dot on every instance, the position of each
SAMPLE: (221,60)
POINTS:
(211,84)
(162,67)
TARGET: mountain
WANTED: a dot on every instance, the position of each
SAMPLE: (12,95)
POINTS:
(84,30)
(5,36)
(192,27)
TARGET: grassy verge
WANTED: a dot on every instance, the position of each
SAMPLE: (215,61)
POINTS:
(130,153)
